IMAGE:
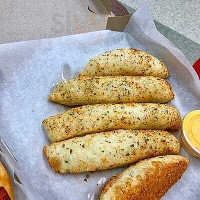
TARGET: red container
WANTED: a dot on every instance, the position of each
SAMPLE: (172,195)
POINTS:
(197,67)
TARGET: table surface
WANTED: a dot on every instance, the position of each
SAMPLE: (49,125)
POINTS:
(180,15)
(178,20)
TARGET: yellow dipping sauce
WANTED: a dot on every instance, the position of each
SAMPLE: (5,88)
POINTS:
(191,130)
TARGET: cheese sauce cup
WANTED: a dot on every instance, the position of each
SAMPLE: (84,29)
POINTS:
(191,133)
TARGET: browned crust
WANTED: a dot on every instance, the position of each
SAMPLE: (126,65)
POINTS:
(168,72)
(54,163)
(5,181)
(157,181)
(109,184)
(172,96)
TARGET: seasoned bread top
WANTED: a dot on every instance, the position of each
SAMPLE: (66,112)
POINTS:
(84,90)
(127,62)
(103,117)
(149,179)
(107,150)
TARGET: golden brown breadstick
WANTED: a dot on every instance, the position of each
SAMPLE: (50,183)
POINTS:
(103,117)
(107,150)
(126,62)
(120,89)
(147,180)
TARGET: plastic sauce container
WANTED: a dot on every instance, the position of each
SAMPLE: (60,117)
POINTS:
(191,133)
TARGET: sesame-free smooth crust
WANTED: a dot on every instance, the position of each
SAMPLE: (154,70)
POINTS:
(84,90)
(107,150)
(126,62)
(103,117)
(149,179)
(5,181)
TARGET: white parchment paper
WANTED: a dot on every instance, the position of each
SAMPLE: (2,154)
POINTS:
(28,71)
(22,188)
